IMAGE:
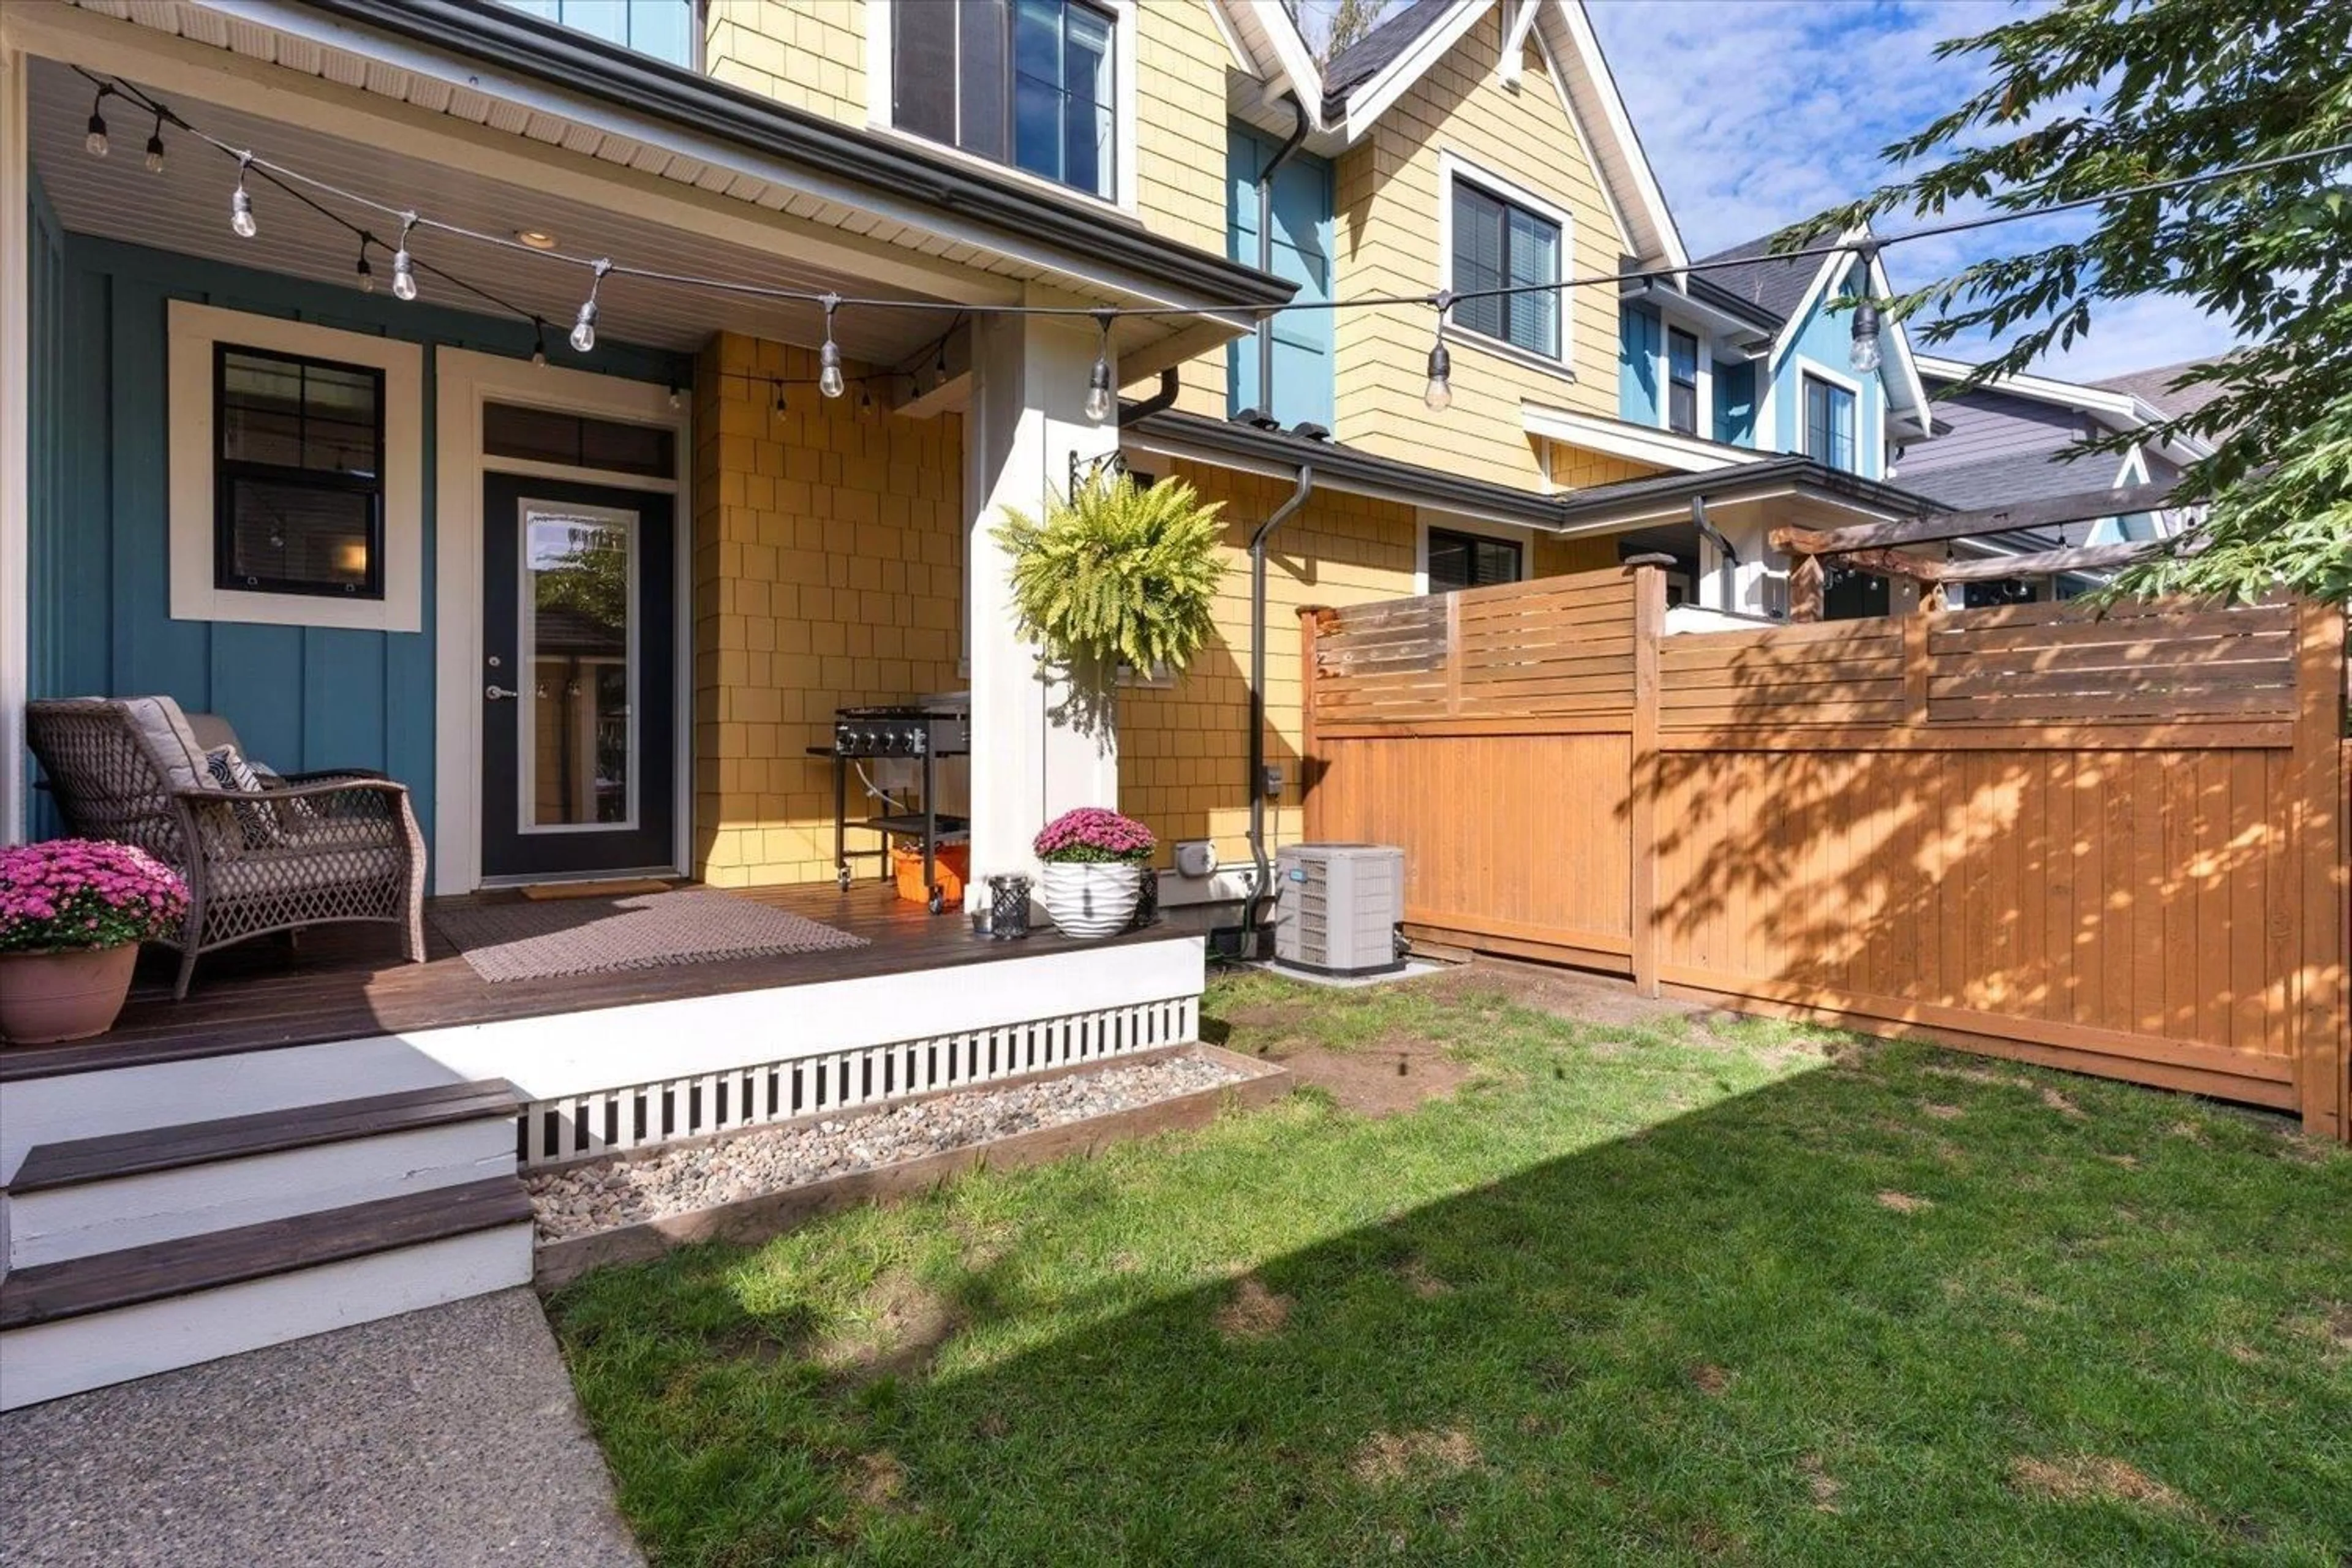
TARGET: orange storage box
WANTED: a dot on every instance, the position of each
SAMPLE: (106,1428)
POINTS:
(951,865)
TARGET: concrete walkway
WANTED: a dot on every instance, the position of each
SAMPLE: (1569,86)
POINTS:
(440,1439)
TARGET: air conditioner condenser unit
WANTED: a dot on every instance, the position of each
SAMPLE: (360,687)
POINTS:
(1338,908)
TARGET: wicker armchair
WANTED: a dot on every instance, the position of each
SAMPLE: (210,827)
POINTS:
(316,849)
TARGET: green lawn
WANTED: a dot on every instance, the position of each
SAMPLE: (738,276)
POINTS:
(1634,1292)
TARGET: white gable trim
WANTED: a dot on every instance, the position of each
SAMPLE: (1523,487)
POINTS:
(1624,167)
(1634,443)
(1375,98)
(1905,389)
(1584,136)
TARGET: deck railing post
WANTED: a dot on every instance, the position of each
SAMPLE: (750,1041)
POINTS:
(1918,661)
(2323,1032)
(1642,798)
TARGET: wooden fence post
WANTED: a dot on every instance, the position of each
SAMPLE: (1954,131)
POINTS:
(2323,1010)
(1916,663)
(1310,814)
(1641,801)
(1807,589)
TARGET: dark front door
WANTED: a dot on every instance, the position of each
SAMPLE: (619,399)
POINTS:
(579,679)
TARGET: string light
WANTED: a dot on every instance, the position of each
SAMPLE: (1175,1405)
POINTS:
(583,330)
(1438,394)
(403,267)
(828,358)
(779,397)
(1101,395)
(1867,352)
(240,205)
(1865,356)
(539,342)
(366,273)
(673,397)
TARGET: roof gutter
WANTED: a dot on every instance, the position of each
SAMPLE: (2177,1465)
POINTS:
(572,62)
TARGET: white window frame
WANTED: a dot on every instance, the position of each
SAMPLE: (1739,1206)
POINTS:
(194,331)
(1452,522)
(880,17)
(1452,165)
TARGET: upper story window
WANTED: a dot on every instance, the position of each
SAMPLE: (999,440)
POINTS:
(1830,425)
(1681,382)
(1032,83)
(1470,561)
(299,477)
(1499,242)
(667,29)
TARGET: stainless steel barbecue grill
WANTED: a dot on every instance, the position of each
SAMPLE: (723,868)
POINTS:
(920,732)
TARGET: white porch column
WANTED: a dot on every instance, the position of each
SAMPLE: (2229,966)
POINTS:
(15,437)
(1035,753)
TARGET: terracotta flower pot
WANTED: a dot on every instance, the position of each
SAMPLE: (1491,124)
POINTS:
(65,993)
(1091,899)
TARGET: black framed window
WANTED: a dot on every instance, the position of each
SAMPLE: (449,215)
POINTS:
(1499,245)
(1681,382)
(1470,561)
(298,498)
(1830,425)
(1032,83)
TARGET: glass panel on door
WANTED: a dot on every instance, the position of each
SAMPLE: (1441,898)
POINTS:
(579,744)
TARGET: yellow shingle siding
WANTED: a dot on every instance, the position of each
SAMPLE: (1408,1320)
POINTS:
(810,54)
(1576,468)
(1183,751)
(1389,193)
(828,570)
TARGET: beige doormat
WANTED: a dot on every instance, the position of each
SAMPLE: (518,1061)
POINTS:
(528,941)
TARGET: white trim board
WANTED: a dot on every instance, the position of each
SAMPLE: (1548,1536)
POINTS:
(464,381)
(194,331)
(1635,443)
(606,1047)
(16,439)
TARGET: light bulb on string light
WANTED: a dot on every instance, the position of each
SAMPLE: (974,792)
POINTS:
(403,270)
(1101,396)
(366,273)
(1437,394)
(583,328)
(1865,354)
(240,204)
(155,147)
(95,143)
(828,358)
(539,342)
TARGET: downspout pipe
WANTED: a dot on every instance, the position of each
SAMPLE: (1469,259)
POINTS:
(1266,247)
(1727,571)
(1172,384)
(1264,880)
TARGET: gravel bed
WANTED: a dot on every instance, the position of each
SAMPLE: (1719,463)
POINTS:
(579,1200)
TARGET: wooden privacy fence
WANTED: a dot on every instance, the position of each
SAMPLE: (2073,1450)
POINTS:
(2115,843)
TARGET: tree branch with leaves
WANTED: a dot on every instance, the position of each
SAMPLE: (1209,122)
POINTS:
(2092,97)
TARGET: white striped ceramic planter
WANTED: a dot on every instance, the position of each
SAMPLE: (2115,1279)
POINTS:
(1090,899)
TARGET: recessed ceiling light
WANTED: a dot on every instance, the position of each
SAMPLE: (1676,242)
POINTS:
(536,238)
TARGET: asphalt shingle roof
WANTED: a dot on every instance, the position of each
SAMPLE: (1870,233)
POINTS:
(2154,387)
(1771,283)
(1365,59)
(2012,478)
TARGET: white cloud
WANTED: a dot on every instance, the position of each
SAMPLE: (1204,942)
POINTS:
(1756,113)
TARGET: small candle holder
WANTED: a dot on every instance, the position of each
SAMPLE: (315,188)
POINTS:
(1008,906)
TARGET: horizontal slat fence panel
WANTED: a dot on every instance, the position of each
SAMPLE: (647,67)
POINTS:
(2110,842)
(1560,647)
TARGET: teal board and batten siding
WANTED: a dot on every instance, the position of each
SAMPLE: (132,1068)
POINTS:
(45,477)
(1303,194)
(1825,342)
(1641,351)
(300,697)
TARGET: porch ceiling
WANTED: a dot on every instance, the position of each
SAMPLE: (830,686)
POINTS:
(186,210)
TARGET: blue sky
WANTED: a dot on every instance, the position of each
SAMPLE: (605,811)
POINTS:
(1758,112)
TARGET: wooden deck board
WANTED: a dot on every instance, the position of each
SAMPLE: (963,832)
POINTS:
(349,982)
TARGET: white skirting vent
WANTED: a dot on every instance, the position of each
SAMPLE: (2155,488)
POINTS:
(583,1126)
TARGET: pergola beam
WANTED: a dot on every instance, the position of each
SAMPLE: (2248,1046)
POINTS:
(1933,528)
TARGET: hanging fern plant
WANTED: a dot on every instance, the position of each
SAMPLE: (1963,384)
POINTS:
(1117,573)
